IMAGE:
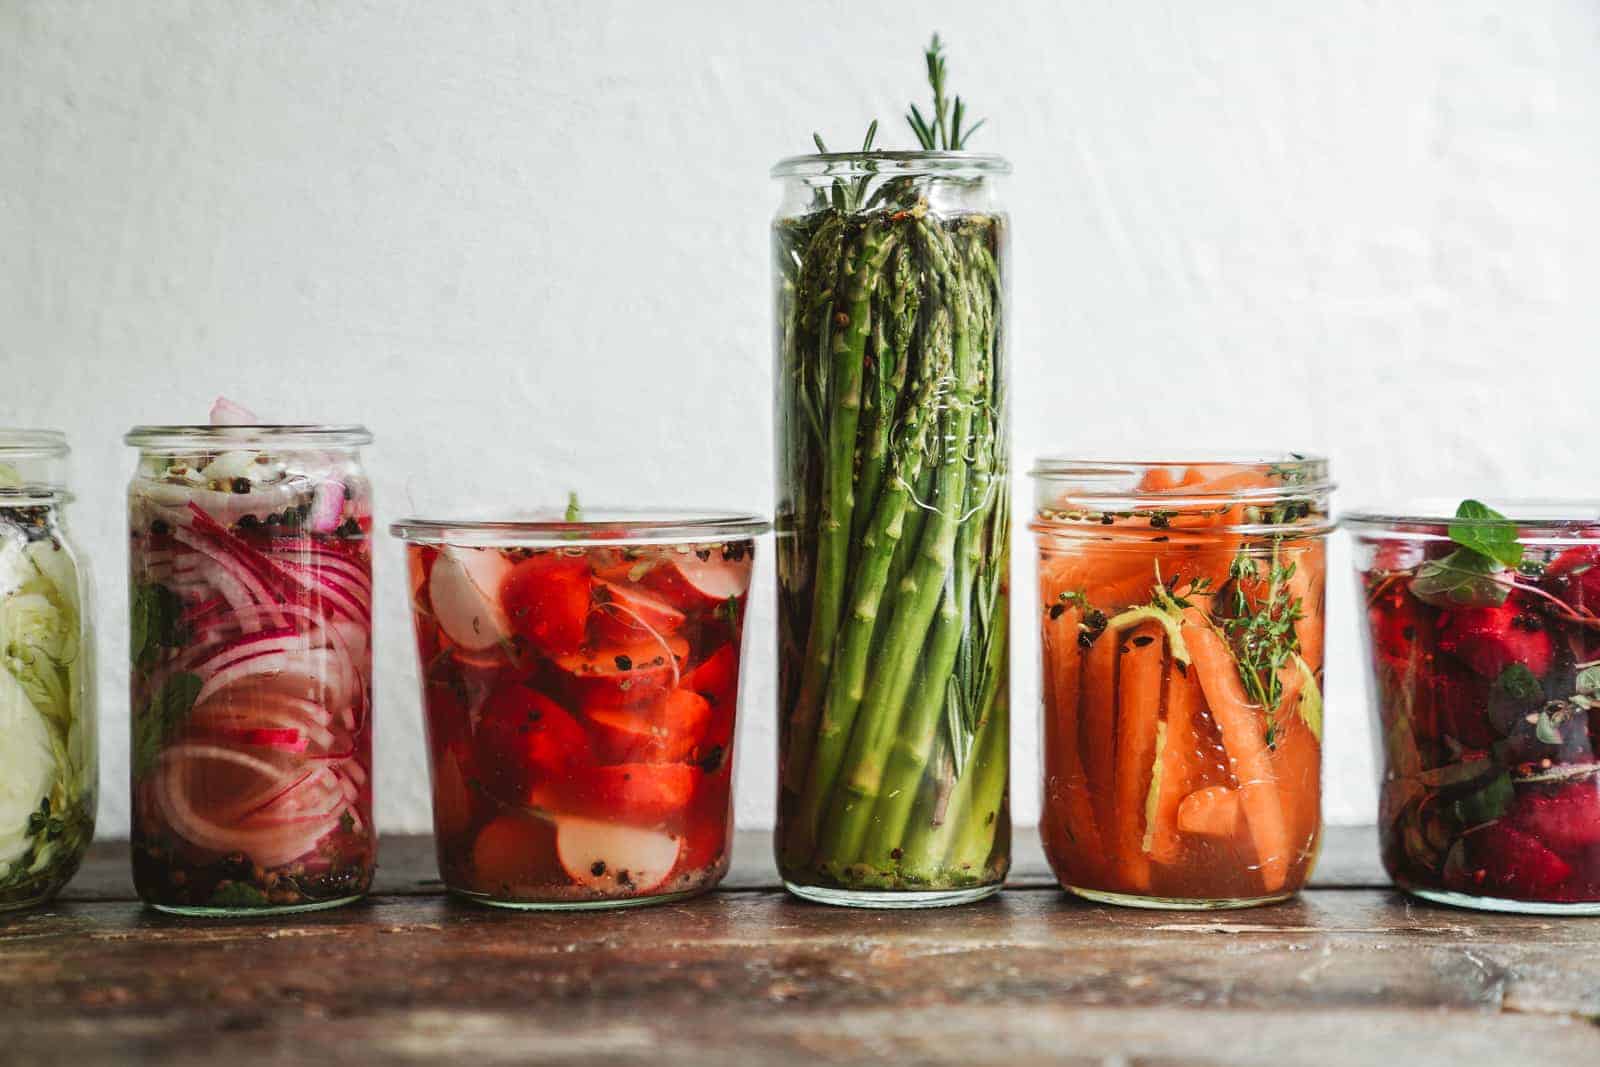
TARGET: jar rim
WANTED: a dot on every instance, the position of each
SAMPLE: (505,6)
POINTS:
(852,164)
(599,526)
(260,435)
(32,444)
(1073,492)
(1530,513)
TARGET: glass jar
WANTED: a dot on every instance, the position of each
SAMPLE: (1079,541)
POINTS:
(580,681)
(893,457)
(1181,626)
(48,754)
(250,586)
(1483,634)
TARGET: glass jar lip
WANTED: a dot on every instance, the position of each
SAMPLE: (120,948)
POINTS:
(1304,474)
(1527,513)
(260,435)
(1089,491)
(32,444)
(853,164)
(600,526)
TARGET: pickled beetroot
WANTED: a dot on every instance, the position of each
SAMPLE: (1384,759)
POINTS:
(584,754)
(1484,642)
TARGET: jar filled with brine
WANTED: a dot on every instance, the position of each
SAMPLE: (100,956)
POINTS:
(250,587)
(48,758)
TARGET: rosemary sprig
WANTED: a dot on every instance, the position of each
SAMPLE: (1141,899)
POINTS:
(944,132)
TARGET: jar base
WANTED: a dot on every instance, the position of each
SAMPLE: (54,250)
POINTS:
(198,911)
(1133,900)
(890,900)
(576,905)
(1504,904)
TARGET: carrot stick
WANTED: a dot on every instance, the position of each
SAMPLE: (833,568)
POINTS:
(1244,739)
(1068,823)
(1138,714)
(1307,585)
(1099,724)
(1179,776)
(1210,812)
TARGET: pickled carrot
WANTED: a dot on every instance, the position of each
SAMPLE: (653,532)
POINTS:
(1297,760)
(1100,726)
(1076,841)
(1138,715)
(1179,775)
(1305,585)
(1244,738)
(1210,812)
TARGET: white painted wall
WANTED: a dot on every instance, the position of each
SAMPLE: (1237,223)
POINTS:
(526,244)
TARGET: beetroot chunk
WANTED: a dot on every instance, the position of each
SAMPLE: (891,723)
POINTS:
(1491,639)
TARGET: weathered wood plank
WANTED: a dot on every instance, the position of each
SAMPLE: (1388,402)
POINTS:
(1342,975)
(406,865)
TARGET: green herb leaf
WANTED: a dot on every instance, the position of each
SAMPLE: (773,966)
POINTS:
(1463,578)
(237,895)
(1546,729)
(1488,804)
(574,509)
(1589,681)
(1487,533)
(157,724)
(157,622)
(1519,682)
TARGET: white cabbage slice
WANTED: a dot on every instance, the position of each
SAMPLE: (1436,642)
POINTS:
(27,766)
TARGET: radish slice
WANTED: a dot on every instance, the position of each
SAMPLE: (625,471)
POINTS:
(464,589)
(610,858)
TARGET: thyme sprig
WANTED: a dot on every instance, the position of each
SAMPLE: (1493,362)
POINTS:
(1263,636)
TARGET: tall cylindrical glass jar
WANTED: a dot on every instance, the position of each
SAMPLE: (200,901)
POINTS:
(251,645)
(1181,636)
(892,527)
(48,757)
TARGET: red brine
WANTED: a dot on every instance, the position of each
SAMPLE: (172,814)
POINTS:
(1484,637)
(251,595)
(580,708)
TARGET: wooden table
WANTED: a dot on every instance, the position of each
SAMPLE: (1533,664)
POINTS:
(1349,973)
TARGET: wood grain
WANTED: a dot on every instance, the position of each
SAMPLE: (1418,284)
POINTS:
(1348,973)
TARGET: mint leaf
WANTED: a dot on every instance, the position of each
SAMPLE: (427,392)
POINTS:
(1488,804)
(1546,730)
(1488,533)
(1518,681)
(1463,578)
(160,722)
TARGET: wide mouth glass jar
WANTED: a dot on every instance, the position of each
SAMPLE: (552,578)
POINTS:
(580,681)
(250,585)
(889,275)
(1181,624)
(48,754)
(1483,632)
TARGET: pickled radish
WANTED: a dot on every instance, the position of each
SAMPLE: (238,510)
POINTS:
(606,857)
(464,591)
(588,756)
(699,584)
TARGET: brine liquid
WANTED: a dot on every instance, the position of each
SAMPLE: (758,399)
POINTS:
(252,696)
(1154,787)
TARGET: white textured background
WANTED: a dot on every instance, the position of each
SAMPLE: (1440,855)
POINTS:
(526,244)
